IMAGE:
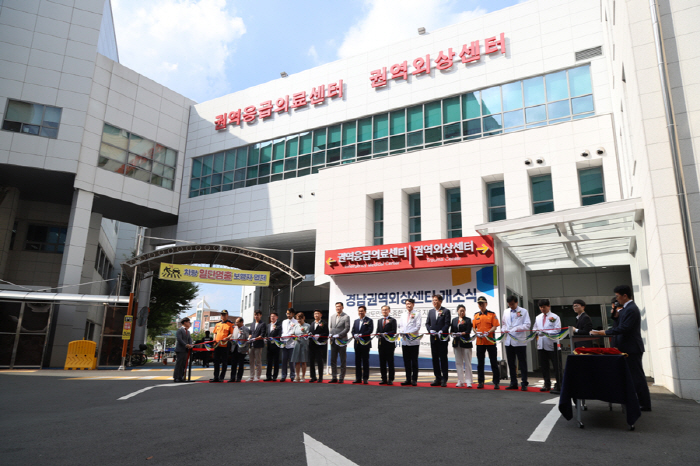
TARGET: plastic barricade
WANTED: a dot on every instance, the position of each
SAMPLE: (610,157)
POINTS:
(81,355)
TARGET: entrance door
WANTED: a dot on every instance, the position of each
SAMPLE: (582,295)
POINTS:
(23,330)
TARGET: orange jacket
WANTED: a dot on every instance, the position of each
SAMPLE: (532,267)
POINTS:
(223,330)
(483,323)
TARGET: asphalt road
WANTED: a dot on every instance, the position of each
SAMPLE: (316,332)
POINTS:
(55,420)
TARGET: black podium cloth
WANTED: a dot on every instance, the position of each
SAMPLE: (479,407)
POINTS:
(605,378)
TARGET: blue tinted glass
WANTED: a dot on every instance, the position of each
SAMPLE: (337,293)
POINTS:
(591,181)
(196,168)
(491,100)
(558,109)
(206,165)
(511,119)
(535,114)
(542,188)
(492,123)
(219,162)
(471,105)
(534,91)
(580,81)
(582,104)
(381,126)
(472,127)
(557,87)
(496,194)
(512,96)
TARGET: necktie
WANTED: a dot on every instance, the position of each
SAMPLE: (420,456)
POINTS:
(384,325)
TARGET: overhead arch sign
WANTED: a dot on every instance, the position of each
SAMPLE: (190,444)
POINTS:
(215,275)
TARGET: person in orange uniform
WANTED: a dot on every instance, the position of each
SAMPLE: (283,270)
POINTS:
(222,334)
(485,323)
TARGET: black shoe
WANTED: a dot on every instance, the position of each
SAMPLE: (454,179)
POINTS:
(544,389)
(555,392)
(512,387)
(283,380)
(523,388)
(403,384)
(481,385)
(366,382)
(436,383)
(341,381)
(556,387)
(414,383)
(333,381)
(390,383)
(383,382)
(645,409)
(444,383)
(496,386)
(320,380)
(214,380)
(357,381)
(312,380)
(267,379)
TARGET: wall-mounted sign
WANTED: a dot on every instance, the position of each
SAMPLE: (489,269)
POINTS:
(454,252)
(218,276)
(282,105)
(470,53)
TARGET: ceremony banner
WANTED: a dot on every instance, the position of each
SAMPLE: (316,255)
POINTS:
(457,286)
(217,276)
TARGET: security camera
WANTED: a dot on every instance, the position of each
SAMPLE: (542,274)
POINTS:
(528,162)
(600,151)
(300,196)
(540,161)
(585,153)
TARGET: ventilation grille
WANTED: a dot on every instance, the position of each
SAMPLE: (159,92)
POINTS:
(589,53)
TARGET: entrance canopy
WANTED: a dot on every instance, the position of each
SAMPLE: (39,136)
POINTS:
(601,234)
(212,255)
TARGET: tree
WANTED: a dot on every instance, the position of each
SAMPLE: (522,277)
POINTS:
(168,300)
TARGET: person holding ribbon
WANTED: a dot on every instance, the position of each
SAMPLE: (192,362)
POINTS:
(222,337)
(241,335)
(410,325)
(362,333)
(319,347)
(289,343)
(461,330)
(548,323)
(485,323)
(438,324)
(339,328)
(515,325)
(300,354)
(274,331)
(386,328)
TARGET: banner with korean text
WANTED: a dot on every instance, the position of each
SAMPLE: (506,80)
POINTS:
(217,276)
(457,286)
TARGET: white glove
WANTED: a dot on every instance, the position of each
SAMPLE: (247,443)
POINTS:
(336,336)
(317,335)
(440,332)
(432,332)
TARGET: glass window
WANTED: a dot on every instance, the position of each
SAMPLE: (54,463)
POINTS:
(557,87)
(492,124)
(381,145)
(305,143)
(591,184)
(535,114)
(415,139)
(278,148)
(454,212)
(28,118)
(332,155)
(512,96)
(364,148)
(140,146)
(433,135)
(292,149)
(348,154)
(491,100)
(415,118)
(496,196)
(451,110)
(580,81)
(45,238)
(229,164)
(582,104)
(533,90)
(511,119)
(115,136)
(558,109)
(334,136)
(218,162)
(397,142)
(265,152)
(453,131)
(253,155)
(320,139)
(542,196)
(378,222)
(398,122)
(414,217)
(433,114)
(349,133)
(364,129)
(381,126)
(471,105)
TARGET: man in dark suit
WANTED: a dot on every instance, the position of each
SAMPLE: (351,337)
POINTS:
(319,328)
(258,332)
(438,323)
(183,344)
(241,337)
(584,324)
(362,326)
(386,325)
(274,330)
(628,339)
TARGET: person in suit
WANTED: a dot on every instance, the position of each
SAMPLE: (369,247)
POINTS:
(463,351)
(628,339)
(386,326)
(339,328)
(289,344)
(318,328)
(438,323)
(584,324)
(485,324)
(516,322)
(547,349)
(258,332)
(410,324)
(239,349)
(362,328)
(274,330)
(182,346)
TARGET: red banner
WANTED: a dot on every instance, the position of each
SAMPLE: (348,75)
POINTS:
(454,252)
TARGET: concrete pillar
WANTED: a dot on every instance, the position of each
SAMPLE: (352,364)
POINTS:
(9,202)
(70,319)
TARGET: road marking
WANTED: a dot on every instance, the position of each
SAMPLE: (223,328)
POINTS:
(137,392)
(545,428)
(317,454)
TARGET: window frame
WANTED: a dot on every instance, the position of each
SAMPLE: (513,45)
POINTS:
(414,236)
(532,194)
(40,126)
(490,208)
(448,192)
(377,240)
(582,197)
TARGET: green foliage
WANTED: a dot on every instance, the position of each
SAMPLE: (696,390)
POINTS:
(168,300)
(197,336)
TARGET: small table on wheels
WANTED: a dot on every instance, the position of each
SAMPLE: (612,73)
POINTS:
(598,377)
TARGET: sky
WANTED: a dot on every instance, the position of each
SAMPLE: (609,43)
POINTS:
(205,49)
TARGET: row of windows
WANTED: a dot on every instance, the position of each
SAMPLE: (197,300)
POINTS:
(102,264)
(591,189)
(538,101)
(136,157)
(28,118)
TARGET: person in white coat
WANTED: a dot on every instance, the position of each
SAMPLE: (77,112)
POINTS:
(516,323)
(410,323)
(547,323)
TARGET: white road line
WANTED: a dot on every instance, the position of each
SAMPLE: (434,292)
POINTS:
(545,428)
(146,377)
(137,392)
(317,454)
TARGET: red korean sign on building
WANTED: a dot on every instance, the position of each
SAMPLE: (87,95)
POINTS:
(454,252)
